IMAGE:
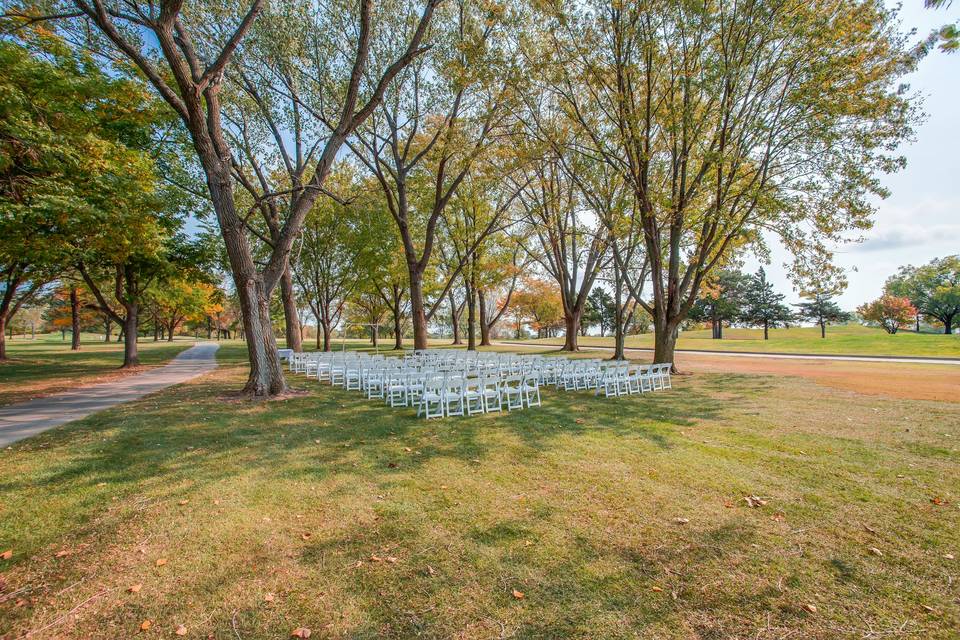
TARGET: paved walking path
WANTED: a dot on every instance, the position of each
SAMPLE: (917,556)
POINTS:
(760,354)
(25,419)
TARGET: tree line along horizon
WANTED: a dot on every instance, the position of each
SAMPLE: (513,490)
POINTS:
(472,158)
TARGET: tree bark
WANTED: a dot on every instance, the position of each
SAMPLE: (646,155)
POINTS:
(3,336)
(472,310)
(130,356)
(455,313)
(291,316)
(326,336)
(74,320)
(948,325)
(107,328)
(484,327)
(766,331)
(397,329)
(418,315)
(571,323)
(823,329)
(664,341)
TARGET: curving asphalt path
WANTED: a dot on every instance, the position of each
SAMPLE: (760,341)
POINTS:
(26,419)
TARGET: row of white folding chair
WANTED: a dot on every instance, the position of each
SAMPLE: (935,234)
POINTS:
(457,396)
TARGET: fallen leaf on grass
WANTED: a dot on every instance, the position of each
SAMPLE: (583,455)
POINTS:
(183,502)
(876,551)
(681,520)
(728,505)
(6,555)
(430,570)
(579,420)
(145,625)
(948,556)
(870,529)
(407,449)
(391,560)
(375,558)
(135,588)
(928,608)
(181,630)
(519,595)
(754,502)
(657,589)
(161,562)
(937,500)
(301,632)
(306,536)
(62,553)
(268,597)
(810,608)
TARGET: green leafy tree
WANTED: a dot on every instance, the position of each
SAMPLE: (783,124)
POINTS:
(722,300)
(762,306)
(947,36)
(726,120)
(822,309)
(601,310)
(185,50)
(933,288)
(71,163)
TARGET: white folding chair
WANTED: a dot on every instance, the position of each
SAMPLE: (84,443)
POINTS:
(473,396)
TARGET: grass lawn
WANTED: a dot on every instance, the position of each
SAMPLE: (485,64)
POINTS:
(46,365)
(841,340)
(335,513)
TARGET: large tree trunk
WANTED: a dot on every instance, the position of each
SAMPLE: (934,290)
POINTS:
(455,320)
(948,325)
(74,320)
(571,323)
(418,315)
(397,327)
(823,329)
(325,326)
(266,373)
(3,336)
(107,327)
(484,327)
(664,341)
(766,331)
(130,356)
(291,317)
(472,312)
(170,330)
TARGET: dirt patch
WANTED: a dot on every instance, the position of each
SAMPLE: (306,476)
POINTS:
(890,379)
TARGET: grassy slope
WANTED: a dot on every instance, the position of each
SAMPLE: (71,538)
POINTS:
(843,340)
(572,504)
(46,365)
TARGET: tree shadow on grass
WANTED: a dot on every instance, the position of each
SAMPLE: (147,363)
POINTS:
(186,438)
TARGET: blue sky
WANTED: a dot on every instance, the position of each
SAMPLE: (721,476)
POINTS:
(921,218)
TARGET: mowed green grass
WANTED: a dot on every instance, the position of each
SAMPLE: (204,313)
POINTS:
(336,513)
(840,340)
(47,365)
